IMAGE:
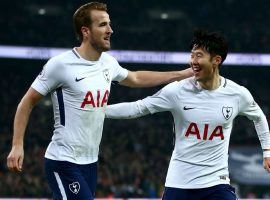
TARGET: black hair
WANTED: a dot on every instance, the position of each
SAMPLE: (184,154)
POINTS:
(213,42)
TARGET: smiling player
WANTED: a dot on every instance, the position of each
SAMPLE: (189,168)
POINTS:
(203,108)
(79,82)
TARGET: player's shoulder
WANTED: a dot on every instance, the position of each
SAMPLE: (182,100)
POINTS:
(182,83)
(178,87)
(57,64)
(188,85)
(174,90)
(174,87)
(107,58)
(62,57)
(229,84)
(236,88)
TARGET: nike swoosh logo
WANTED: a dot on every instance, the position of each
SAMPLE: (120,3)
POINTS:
(79,79)
(188,108)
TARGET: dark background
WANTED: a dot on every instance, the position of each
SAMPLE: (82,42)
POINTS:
(134,154)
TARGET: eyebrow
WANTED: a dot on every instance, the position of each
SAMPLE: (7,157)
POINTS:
(104,22)
(193,52)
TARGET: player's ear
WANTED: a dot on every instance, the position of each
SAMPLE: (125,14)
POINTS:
(216,60)
(85,31)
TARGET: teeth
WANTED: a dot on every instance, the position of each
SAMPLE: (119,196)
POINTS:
(196,69)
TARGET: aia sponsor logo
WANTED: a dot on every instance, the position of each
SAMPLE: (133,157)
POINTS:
(95,99)
(207,134)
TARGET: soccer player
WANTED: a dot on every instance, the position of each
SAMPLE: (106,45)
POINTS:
(79,82)
(203,108)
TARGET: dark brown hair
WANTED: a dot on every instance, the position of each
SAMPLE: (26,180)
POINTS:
(82,16)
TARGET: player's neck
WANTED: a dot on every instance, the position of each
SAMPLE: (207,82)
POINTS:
(87,52)
(211,84)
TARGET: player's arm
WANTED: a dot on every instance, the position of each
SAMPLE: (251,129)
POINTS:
(152,78)
(126,110)
(16,155)
(262,129)
(159,102)
(252,110)
(266,160)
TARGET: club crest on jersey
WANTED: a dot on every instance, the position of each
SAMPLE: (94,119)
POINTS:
(106,75)
(74,187)
(227,112)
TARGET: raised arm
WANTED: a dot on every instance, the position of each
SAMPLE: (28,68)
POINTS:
(16,155)
(152,78)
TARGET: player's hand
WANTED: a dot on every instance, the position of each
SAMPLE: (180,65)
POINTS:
(266,164)
(15,159)
(186,73)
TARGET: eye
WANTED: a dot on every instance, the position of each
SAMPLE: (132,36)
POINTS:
(199,55)
(103,24)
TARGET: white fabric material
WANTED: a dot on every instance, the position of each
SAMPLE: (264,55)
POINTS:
(126,110)
(266,154)
(60,185)
(203,123)
(84,87)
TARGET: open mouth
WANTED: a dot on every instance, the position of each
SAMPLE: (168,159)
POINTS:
(196,69)
(107,38)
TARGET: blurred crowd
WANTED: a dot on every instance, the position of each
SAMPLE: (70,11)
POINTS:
(134,154)
(140,25)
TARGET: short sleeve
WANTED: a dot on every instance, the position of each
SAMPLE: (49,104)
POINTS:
(49,78)
(119,73)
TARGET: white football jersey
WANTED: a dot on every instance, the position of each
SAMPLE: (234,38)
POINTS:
(203,122)
(79,90)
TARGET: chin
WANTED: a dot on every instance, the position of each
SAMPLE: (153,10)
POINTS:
(106,48)
(103,49)
(197,78)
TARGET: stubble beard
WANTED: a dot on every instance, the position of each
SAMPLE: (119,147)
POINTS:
(100,48)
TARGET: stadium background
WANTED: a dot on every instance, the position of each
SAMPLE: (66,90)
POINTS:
(134,154)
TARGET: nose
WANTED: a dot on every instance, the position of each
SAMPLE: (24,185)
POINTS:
(110,29)
(194,60)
